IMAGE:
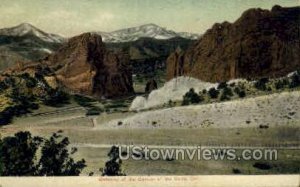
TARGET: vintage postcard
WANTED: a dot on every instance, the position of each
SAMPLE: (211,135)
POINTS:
(149,93)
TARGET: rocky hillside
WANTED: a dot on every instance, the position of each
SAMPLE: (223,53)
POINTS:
(260,43)
(84,65)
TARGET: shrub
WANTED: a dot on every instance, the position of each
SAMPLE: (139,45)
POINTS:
(56,98)
(236,171)
(191,97)
(31,82)
(262,166)
(242,94)
(55,159)
(226,94)
(18,154)
(113,166)
(228,91)
(222,85)
(261,84)
(295,82)
(224,97)
(94,110)
(213,93)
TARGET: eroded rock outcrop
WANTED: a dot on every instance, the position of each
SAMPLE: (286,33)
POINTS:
(260,43)
(83,65)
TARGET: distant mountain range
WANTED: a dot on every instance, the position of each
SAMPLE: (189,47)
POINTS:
(28,29)
(25,42)
(143,31)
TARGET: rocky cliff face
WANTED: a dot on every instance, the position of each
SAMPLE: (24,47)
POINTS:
(260,43)
(83,65)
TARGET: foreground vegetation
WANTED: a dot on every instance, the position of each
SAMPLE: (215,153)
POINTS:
(19,156)
(25,155)
(20,94)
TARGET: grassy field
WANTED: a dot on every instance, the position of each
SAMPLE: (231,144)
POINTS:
(93,145)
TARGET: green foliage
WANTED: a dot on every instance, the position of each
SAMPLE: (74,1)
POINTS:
(222,85)
(191,97)
(83,101)
(228,91)
(22,104)
(55,160)
(226,94)
(3,86)
(6,116)
(31,82)
(56,97)
(94,110)
(295,82)
(213,93)
(113,166)
(242,94)
(261,84)
(224,97)
(88,104)
(18,156)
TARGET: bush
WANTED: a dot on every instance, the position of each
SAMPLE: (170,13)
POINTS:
(94,111)
(213,93)
(224,97)
(295,82)
(3,86)
(261,84)
(56,98)
(31,82)
(113,166)
(236,171)
(239,92)
(55,160)
(262,166)
(226,94)
(228,91)
(222,85)
(18,154)
(191,97)
(242,94)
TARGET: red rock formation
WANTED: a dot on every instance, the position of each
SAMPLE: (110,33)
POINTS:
(260,43)
(83,65)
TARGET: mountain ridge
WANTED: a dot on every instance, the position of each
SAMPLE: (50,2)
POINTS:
(27,28)
(144,31)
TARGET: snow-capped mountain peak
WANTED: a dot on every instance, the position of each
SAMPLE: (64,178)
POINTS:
(26,28)
(148,30)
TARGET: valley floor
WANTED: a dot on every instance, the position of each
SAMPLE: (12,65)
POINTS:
(263,122)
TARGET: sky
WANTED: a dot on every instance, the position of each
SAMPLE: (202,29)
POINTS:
(73,17)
